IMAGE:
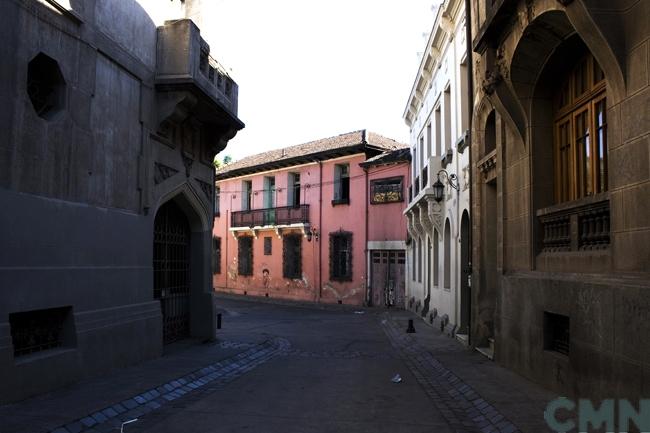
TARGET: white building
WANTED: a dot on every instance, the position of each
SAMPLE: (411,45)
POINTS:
(437,113)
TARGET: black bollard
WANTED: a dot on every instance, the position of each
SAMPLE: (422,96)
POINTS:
(218,320)
(411,328)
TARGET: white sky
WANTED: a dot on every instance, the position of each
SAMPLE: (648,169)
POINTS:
(310,69)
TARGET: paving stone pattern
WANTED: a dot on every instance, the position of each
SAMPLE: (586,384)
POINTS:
(461,406)
(194,385)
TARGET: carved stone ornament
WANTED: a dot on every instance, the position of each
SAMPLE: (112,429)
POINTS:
(492,79)
(206,188)
(435,212)
(162,172)
(409,225)
(187,162)
(425,221)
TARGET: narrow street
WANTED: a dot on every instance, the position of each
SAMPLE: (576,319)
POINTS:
(297,368)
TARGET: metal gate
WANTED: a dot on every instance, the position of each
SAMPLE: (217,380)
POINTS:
(387,277)
(171,271)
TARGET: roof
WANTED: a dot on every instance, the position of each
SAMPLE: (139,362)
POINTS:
(318,150)
(391,157)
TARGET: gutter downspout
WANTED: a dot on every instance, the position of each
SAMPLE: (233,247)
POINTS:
(470,109)
(320,223)
(366,199)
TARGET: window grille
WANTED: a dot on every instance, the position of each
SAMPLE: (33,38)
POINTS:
(245,255)
(292,256)
(38,330)
(341,256)
(268,245)
(386,190)
(556,333)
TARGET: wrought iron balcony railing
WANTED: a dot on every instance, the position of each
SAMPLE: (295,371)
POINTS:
(275,216)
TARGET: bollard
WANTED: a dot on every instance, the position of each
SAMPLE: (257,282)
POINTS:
(219,321)
(411,328)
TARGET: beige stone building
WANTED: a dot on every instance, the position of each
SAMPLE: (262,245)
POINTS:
(561,182)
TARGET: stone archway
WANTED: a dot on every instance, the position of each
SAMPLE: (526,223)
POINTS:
(181,266)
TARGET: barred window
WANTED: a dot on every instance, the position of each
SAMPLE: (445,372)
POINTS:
(341,256)
(40,330)
(245,255)
(216,255)
(386,190)
(268,245)
(217,199)
(292,256)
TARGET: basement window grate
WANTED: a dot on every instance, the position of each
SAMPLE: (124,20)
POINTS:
(556,333)
(38,330)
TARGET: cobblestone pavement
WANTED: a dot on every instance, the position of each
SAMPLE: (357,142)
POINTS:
(280,368)
(187,388)
(459,404)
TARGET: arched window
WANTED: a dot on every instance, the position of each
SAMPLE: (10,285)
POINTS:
(436,259)
(490,133)
(580,136)
(447,252)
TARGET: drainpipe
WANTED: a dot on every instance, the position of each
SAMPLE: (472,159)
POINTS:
(470,109)
(320,223)
(367,257)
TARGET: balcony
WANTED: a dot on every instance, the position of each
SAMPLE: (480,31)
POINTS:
(567,227)
(273,217)
(189,82)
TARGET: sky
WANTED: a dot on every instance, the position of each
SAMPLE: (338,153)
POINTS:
(310,69)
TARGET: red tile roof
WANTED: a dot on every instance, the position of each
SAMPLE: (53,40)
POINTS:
(324,148)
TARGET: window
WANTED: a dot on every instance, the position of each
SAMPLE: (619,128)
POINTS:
(490,133)
(438,119)
(341,184)
(413,261)
(217,204)
(246,194)
(447,108)
(293,191)
(268,245)
(420,260)
(429,144)
(556,333)
(580,148)
(245,255)
(216,255)
(387,190)
(269,200)
(292,256)
(423,155)
(45,86)
(447,253)
(436,258)
(40,330)
(341,256)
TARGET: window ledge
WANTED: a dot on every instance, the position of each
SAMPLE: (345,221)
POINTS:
(340,201)
(569,205)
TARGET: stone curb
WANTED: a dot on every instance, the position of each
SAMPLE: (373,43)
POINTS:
(111,418)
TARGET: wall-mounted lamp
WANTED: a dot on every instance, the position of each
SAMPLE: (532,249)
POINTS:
(439,187)
(313,232)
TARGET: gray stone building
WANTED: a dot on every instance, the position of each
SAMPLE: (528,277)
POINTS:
(561,182)
(111,118)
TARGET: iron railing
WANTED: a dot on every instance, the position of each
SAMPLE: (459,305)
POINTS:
(271,216)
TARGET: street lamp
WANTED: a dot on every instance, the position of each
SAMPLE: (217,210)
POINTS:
(439,187)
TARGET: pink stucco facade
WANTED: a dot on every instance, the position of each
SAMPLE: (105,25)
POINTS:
(363,220)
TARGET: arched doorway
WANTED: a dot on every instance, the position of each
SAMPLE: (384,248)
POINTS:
(465,273)
(171,270)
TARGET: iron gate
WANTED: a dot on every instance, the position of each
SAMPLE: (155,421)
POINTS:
(171,271)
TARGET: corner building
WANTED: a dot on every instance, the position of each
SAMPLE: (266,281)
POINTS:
(321,221)
(561,180)
(112,118)
(437,113)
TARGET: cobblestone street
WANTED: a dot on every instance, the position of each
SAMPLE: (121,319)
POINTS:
(297,368)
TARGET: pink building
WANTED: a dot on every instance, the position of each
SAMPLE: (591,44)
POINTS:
(320,221)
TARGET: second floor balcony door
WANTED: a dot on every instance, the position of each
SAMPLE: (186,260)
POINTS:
(269,201)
